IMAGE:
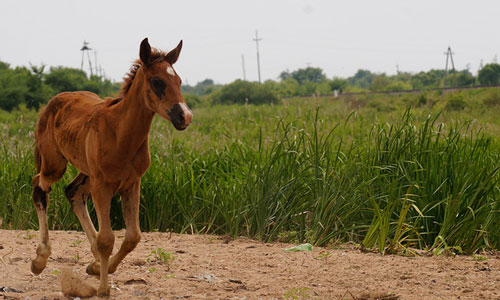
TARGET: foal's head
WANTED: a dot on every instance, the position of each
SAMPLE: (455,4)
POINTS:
(163,85)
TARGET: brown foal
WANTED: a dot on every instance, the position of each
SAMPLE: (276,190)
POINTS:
(107,141)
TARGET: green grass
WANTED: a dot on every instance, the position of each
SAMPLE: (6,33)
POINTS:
(366,169)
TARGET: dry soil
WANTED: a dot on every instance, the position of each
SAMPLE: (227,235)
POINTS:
(213,267)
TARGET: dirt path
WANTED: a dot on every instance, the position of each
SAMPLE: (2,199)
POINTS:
(211,267)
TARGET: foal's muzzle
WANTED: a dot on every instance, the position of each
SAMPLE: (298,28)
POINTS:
(180,115)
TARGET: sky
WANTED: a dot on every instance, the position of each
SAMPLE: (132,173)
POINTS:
(339,37)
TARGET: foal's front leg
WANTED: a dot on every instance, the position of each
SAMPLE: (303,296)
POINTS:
(130,207)
(101,195)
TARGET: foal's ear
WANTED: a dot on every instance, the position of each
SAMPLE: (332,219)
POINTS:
(145,52)
(172,56)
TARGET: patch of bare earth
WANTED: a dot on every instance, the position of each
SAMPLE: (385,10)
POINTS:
(211,267)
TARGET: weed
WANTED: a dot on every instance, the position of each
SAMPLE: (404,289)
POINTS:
(298,293)
(324,255)
(77,242)
(29,235)
(161,256)
(478,257)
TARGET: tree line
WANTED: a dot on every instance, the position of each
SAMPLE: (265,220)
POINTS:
(33,86)
(312,81)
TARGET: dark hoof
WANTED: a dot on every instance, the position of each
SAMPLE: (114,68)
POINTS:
(36,268)
(93,269)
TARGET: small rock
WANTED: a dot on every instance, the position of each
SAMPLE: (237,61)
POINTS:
(135,281)
(235,281)
(74,286)
(138,262)
(6,289)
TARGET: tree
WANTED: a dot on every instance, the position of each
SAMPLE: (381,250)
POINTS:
(239,91)
(362,78)
(285,75)
(38,93)
(63,79)
(13,86)
(288,87)
(338,84)
(489,74)
(465,78)
(204,87)
(380,83)
(398,85)
(311,74)
(430,79)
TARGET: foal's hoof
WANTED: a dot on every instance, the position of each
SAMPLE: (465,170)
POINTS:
(94,269)
(42,255)
(37,266)
(103,292)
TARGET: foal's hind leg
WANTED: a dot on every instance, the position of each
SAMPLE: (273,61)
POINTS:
(78,192)
(41,199)
(49,174)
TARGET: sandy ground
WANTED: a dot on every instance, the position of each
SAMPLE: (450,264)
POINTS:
(212,267)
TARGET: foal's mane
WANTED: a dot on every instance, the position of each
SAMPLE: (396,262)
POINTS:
(156,56)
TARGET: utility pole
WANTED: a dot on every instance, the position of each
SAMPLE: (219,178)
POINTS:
(85,48)
(256,39)
(95,63)
(243,65)
(449,55)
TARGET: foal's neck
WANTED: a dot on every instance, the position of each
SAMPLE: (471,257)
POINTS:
(135,117)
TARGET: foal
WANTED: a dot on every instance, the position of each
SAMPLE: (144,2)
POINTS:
(107,141)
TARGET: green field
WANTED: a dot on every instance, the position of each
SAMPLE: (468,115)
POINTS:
(391,172)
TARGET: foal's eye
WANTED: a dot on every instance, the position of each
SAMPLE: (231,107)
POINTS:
(158,86)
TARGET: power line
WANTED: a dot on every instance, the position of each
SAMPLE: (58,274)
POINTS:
(256,39)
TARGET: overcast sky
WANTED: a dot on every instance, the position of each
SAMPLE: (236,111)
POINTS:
(338,36)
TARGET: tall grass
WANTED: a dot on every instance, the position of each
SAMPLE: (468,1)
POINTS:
(316,171)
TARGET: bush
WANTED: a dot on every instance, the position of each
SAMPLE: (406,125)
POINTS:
(422,100)
(492,98)
(456,102)
(489,74)
(192,100)
(338,84)
(239,91)
(398,85)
